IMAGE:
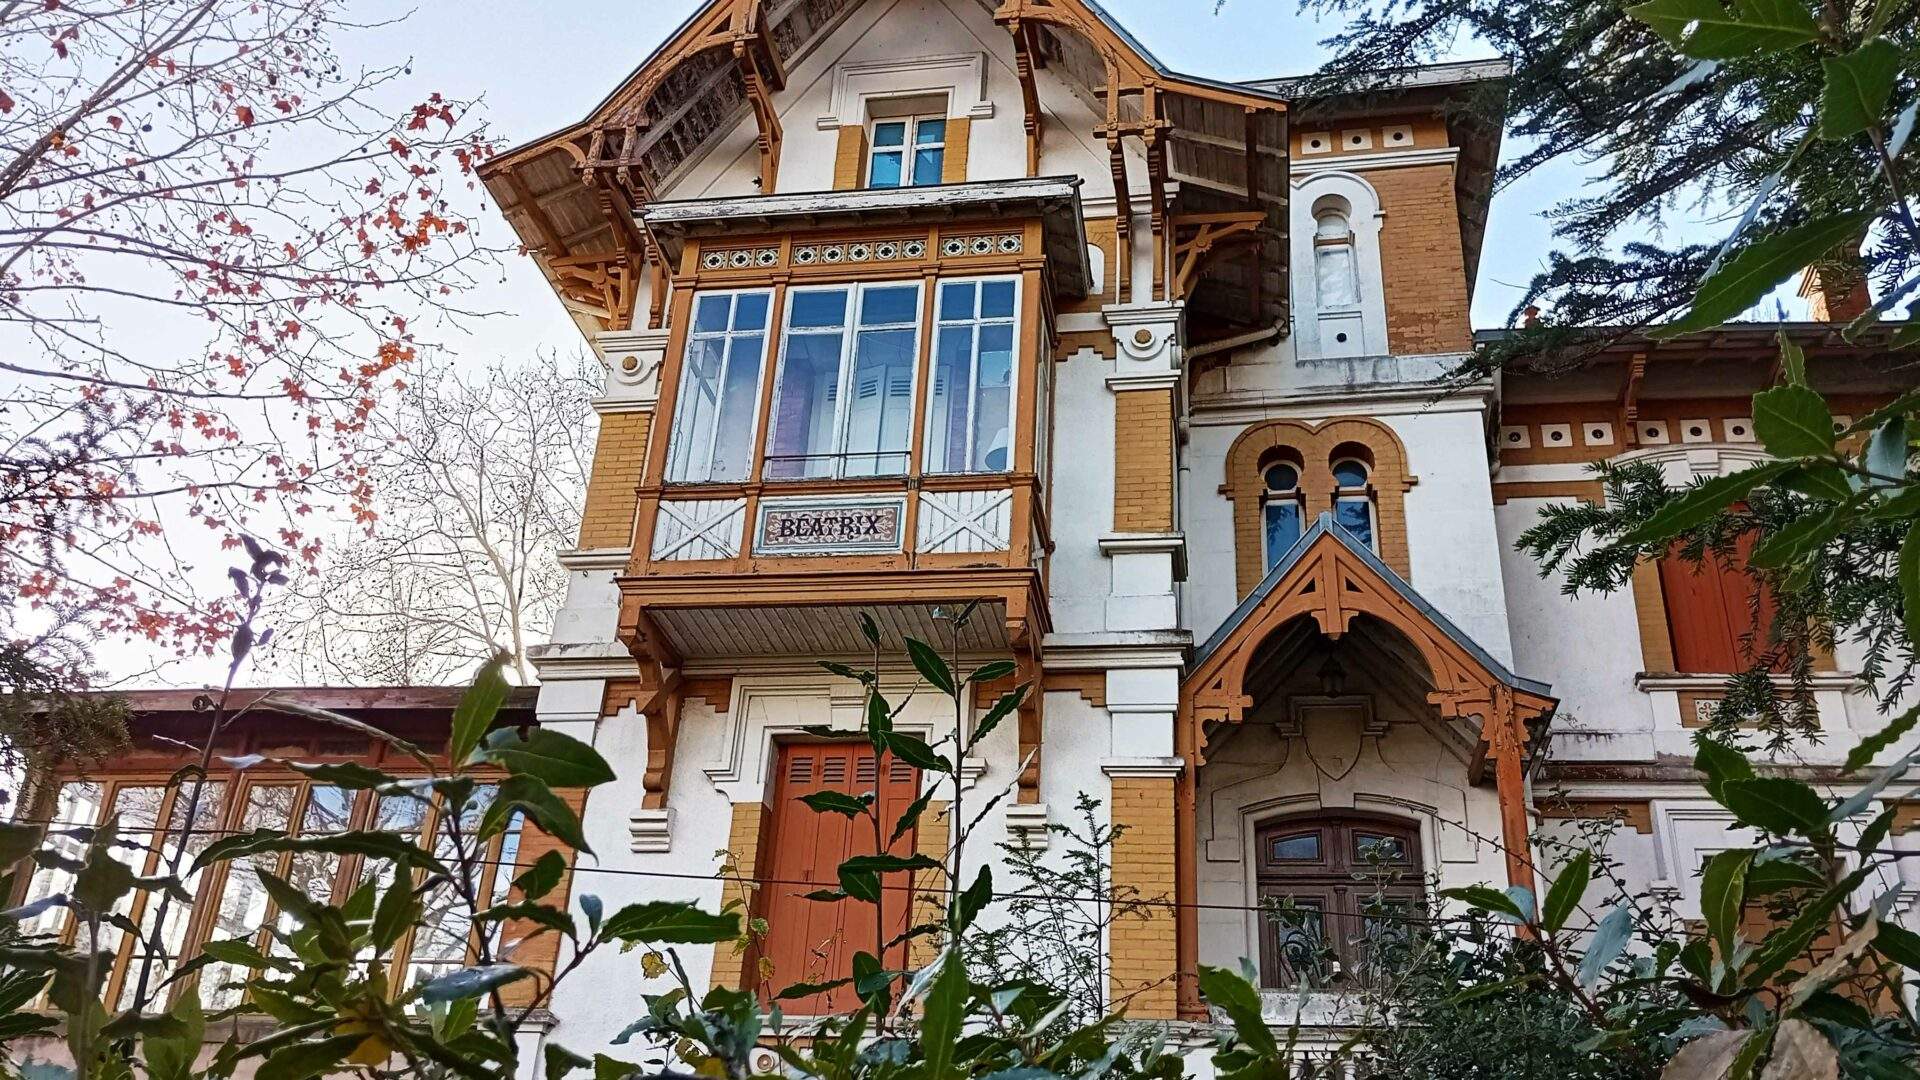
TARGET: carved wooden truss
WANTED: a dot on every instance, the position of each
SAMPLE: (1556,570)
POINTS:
(1197,237)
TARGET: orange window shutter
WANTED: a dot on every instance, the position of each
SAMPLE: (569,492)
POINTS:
(1710,611)
(811,940)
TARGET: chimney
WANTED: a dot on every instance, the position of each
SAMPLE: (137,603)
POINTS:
(1836,289)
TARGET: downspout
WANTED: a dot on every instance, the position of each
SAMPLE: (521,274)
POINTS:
(1234,342)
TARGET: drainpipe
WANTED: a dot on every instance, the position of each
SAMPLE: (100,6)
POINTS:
(1235,341)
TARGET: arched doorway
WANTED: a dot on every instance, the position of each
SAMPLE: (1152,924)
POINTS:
(1336,891)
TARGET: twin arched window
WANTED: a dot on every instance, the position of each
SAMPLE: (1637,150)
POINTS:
(1283,497)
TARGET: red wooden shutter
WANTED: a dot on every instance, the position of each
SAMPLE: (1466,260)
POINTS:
(812,941)
(1710,612)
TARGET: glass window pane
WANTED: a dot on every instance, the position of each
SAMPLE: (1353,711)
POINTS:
(1357,515)
(890,305)
(138,809)
(697,410)
(801,442)
(885,172)
(817,308)
(77,806)
(993,409)
(243,900)
(1282,477)
(890,133)
(956,300)
(710,313)
(441,935)
(930,131)
(996,300)
(952,396)
(880,414)
(927,166)
(1350,473)
(1373,847)
(1283,528)
(186,839)
(1297,847)
(739,400)
(750,311)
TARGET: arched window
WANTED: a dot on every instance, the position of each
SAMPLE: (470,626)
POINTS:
(1283,511)
(1353,500)
(1337,893)
(1336,278)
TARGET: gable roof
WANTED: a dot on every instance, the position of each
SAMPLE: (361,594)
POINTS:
(1326,529)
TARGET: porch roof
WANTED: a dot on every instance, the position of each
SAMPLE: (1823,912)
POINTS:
(1340,534)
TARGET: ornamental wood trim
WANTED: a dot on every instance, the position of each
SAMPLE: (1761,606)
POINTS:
(1636,814)
(1258,445)
(1650,612)
(1090,685)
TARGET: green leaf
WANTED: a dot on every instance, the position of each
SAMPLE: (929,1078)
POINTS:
(1488,899)
(1793,421)
(342,774)
(945,1010)
(1721,763)
(1742,280)
(104,879)
(560,1061)
(870,629)
(1818,480)
(1793,361)
(606,1068)
(1801,536)
(1702,503)
(1608,942)
(243,954)
(1898,944)
(540,804)
(808,989)
(1567,889)
(859,884)
(1858,86)
(1723,895)
(561,761)
(477,708)
(1775,870)
(539,914)
(1227,991)
(1870,747)
(669,922)
(974,899)
(1707,31)
(910,817)
(931,666)
(879,719)
(998,669)
(398,909)
(542,877)
(914,751)
(306,1059)
(838,802)
(1776,805)
(376,845)
(1002,708)
(1876,831)
(17,842)
(1887,451)
(1783,946)
(1910,583)
(889,864)
(470,982)
(171,1056)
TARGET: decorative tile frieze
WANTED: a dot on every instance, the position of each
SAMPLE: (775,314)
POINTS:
(859,251)
(954,247)
(739,258)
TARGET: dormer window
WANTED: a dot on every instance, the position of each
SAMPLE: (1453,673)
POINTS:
(907,151)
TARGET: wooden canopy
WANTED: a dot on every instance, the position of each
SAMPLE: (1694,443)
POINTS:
(1216,154)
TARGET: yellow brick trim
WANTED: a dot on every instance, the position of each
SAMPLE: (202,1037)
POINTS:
(929,896)
(619,456)
(743,846)
(1650,610)
(1141,943)
(1143,460)
(1422,262)
(850,158)
(1257,446)
(953,164)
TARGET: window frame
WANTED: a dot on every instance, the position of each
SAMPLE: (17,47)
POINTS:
(909,149)
(1271,497)
(229,817)
(1332,882)
(841,428)
(977,322)
(672,473)
(1362,493)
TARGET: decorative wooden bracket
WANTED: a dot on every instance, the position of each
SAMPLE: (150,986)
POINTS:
(657,694)
(1028,670)
(1211,233)
(1026,58)
(1630,398)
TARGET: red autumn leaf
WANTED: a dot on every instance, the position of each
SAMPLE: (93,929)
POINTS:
(243,114)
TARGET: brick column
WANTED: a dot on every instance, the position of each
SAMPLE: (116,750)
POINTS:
(1142,944)
(1145,546)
